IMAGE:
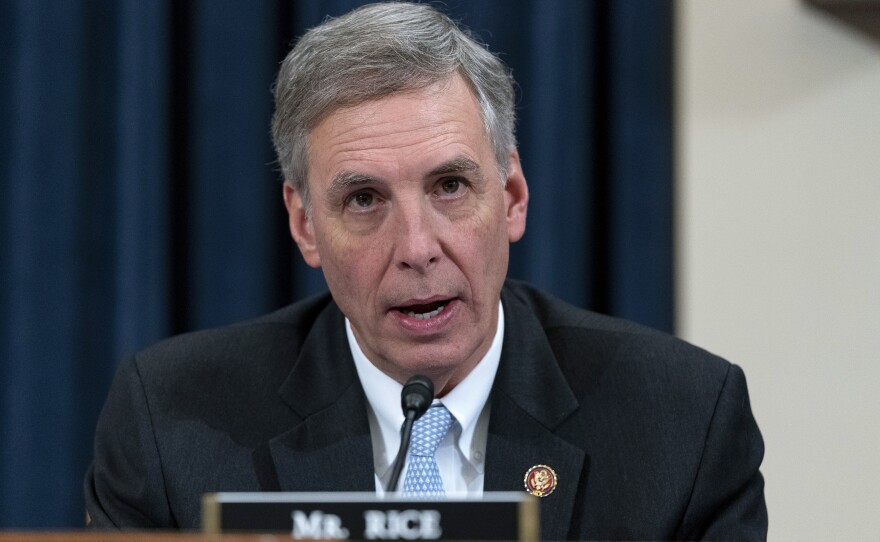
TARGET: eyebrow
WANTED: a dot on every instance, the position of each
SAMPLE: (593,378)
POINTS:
(460,164)
(344,181)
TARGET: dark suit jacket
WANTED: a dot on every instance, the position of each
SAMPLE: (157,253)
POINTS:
(651,438)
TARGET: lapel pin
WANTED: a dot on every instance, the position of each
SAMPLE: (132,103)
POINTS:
(540,480)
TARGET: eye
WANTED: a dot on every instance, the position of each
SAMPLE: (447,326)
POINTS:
(362,199)
(450,186)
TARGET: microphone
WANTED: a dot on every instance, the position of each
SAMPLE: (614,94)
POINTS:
(415,398)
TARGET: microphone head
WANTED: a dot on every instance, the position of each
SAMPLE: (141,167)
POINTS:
(417,394)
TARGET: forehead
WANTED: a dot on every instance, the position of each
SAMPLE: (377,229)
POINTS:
(401,129)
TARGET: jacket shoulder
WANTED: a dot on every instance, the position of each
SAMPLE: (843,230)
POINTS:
(269,342)
(592,348)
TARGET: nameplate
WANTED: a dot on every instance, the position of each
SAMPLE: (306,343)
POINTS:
(364,516)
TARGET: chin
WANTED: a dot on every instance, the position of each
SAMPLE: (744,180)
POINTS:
(431,366)
(441,364)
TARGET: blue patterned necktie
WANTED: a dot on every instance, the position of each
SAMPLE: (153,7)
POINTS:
(423,476)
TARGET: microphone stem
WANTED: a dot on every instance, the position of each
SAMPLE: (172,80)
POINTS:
(405,434)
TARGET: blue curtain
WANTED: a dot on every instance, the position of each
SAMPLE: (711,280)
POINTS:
(139,196)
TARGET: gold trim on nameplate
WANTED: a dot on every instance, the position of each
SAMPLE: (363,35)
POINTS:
(540,480)
(529,522)
(210,514)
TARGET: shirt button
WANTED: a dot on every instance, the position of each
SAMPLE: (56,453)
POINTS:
(478,455)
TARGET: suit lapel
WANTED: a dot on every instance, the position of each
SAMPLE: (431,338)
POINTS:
(330,449)
(530,399)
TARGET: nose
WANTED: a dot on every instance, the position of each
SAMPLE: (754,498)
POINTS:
(416,241)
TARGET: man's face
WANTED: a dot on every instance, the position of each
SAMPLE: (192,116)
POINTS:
(411,225)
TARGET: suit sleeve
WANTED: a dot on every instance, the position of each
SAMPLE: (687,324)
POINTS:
(124,487)
(727,502)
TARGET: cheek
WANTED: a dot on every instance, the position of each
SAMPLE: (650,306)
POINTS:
(351,263)
(487,242)
(343,266)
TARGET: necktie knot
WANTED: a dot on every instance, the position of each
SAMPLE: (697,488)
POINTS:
(429,430)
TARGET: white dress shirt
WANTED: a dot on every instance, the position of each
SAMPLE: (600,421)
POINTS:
(461,454)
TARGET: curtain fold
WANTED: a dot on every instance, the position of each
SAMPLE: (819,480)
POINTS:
(140,196)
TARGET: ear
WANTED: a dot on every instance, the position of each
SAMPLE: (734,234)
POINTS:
(516,198)
(301,227)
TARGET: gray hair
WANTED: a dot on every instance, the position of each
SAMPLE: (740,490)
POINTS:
(374,51)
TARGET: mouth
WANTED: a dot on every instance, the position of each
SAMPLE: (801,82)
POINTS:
(424,311)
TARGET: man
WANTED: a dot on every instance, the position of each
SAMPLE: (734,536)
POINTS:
(403,184)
